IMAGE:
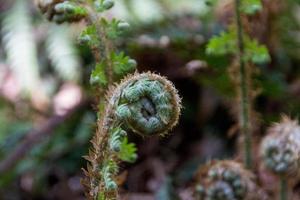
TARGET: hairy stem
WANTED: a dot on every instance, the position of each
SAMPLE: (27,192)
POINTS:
(108,48)
(283,189)
(146,104)
(244,90)
(102,53)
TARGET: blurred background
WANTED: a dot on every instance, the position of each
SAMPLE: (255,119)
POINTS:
(47,115)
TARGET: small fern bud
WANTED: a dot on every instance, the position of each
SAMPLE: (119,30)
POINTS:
(84,39)
(132,63)
(109,170)
(116,139)
(108,4)
(61,11)
(123,26)
(280,149)
(226,180)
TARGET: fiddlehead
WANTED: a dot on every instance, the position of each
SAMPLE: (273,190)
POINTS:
(226,180)
(147,104)
(280,149)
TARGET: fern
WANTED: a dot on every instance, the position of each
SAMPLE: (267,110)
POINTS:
(62,54)
(146,104)
(127,151)
(251,7)
(226,43)
(20,47)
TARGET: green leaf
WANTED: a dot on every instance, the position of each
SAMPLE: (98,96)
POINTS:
(101,196)
(128,151)
(103,5)
(250,7)
(98,75)
(256,53)
(122,64)
(115,27)
(226,43)
(223,44)
(89,36)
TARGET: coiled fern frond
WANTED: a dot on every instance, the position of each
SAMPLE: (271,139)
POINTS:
(226,180)
(20,46)
(280,149)
(147,104)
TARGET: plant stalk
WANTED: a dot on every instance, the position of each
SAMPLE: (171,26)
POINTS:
(244,90)
(283,189)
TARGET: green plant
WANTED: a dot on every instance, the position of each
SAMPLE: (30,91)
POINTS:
(246,51)
(147,104)
(226,180)
(280,148)
(280,151)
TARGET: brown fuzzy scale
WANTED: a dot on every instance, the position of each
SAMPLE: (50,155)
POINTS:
(100,150)
(247,178)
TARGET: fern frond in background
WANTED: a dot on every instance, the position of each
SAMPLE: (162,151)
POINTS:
(20,46)
(62,53)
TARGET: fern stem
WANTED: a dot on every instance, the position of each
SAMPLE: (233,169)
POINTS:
(283,189)
(102,53)
(244,90)
(108,49)
(126,103)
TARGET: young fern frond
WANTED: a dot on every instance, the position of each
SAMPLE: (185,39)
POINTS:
(280,151)
(147,104)
(226,180)
(247,51)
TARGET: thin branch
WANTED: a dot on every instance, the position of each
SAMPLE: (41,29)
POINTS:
(283,189)
(244,90)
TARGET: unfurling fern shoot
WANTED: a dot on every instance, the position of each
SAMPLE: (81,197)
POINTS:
(280,153)
(147,104)
(226,180)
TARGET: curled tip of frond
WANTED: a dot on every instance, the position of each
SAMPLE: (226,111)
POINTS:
(146,103)
(227,180)
(280,149)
